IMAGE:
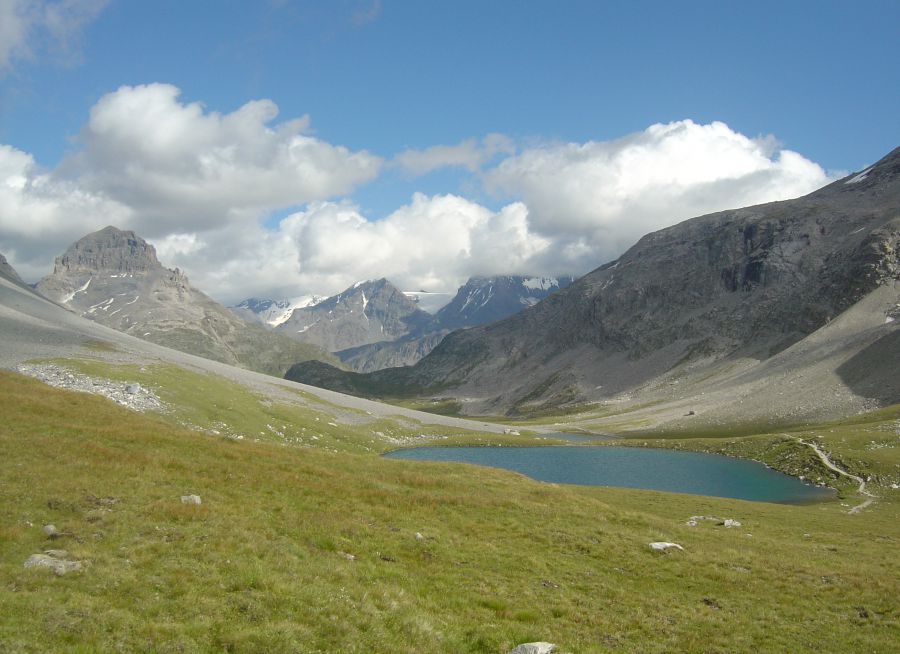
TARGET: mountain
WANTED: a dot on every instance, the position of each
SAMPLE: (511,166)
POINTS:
(729,310)
(8,271)
(483,300)
(113,277)
(272,312)
(368,312)
(479,301)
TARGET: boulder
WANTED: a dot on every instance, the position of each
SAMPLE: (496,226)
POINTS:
(54,562)
(533,648)
(662,546)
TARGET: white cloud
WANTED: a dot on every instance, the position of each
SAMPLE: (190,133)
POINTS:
(433,243)
(470,154)
(181,167)
(30,27)
(199,184)
(603,196)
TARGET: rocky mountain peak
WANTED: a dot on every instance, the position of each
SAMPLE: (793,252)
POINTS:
(109,250)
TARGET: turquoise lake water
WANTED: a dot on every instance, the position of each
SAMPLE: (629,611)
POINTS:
(634,467)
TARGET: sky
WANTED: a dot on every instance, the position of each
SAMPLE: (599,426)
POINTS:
(281,148)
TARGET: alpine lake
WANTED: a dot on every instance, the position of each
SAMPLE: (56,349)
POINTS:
(634,467)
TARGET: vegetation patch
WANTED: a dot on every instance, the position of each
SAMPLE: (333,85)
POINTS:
(301,549)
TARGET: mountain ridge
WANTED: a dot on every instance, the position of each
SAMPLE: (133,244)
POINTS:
(738,285)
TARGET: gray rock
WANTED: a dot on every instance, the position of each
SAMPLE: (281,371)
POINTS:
(133,389)
(59,566)
(190,499)
(533,648)
(51,531)
(662,546)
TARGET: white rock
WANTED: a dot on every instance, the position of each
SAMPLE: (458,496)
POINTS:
(662,546)
(533,648)
(419,536)
(51,530)
(728,523)
(59,567)
(190,499)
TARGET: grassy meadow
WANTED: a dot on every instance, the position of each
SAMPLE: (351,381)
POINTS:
(320,545)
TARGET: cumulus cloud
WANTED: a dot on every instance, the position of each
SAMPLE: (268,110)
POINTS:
(200,186)
(469,154)
(182,167)
(29,27)
(603,196)
(433,242)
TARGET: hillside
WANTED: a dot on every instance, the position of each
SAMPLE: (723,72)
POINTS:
(709,309)
(114,277)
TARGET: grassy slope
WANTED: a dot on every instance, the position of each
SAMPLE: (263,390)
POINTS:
(259,566)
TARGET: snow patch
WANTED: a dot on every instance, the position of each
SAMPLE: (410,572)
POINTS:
(540,283)
(72,295)
(102,305)
(860,177)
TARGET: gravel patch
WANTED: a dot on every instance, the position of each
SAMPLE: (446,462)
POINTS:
(131,395)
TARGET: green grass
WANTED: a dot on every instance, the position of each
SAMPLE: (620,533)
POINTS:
(261,565)
(220,407)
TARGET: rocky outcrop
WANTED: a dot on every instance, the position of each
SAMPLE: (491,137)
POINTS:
(114,277)
(735,286)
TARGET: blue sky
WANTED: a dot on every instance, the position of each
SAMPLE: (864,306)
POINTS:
(819,79)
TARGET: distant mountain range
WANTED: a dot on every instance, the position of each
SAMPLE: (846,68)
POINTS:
(272,312)
(373,325)
(727,308)
(114,277)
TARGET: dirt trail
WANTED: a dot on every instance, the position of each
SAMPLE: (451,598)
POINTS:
(830,465)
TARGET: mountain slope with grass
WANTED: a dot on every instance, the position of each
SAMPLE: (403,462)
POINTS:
(716,315)
(113,277)
(302,550)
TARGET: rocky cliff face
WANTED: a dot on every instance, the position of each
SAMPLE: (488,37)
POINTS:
(367,312)
(114,277)
(735,286)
